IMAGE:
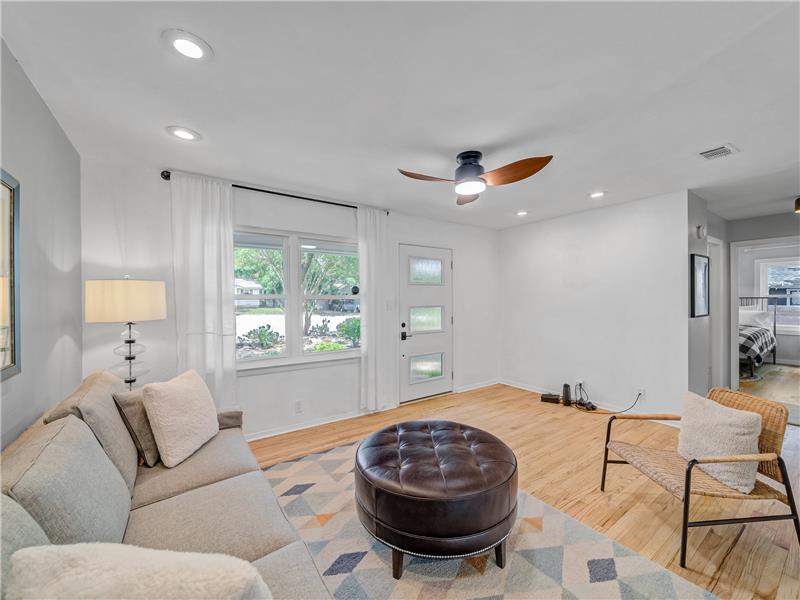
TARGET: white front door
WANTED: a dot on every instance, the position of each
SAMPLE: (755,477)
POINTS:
(426,321)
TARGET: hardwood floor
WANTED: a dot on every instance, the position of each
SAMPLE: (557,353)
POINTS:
(559,451)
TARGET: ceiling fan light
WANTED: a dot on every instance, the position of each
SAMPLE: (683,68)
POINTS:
(470,186)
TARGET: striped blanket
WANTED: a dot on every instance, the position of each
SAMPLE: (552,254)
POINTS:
(755,343)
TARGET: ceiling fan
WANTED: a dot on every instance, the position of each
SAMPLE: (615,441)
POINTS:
(471,180)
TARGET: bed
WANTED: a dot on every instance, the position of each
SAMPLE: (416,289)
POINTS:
(757,332)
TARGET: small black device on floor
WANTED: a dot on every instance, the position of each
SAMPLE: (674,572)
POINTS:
(566,395)
(552,398)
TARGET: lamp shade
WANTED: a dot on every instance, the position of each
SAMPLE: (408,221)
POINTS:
(124,300)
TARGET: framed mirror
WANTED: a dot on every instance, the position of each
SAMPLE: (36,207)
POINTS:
(10,358)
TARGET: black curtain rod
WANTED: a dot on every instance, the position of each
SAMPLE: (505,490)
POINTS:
(165,175)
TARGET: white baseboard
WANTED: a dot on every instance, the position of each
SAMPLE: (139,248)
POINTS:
(266,433)
(787,361)
(475,386)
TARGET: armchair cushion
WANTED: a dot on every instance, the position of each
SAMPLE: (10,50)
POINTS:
(710,429)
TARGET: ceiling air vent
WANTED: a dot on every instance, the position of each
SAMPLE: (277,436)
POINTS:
(719,152)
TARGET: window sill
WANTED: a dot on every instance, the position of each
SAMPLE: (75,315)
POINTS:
(277,365)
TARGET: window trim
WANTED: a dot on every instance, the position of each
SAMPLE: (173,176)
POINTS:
(761,276)
(293,297)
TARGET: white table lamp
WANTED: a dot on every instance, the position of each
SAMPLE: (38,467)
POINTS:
(125,301)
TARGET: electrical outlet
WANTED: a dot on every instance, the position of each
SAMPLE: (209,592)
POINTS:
(642,393)
(298,406)
(579,384)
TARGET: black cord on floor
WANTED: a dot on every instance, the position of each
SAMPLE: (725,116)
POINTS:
(581,391)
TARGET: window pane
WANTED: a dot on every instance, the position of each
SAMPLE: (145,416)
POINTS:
(784,280)
(260,329)
(328,268)
(331,325)
(258,264)
(425,318)
(424,270)
(425,367)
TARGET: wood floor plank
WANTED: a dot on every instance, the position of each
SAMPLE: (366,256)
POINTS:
(559,451)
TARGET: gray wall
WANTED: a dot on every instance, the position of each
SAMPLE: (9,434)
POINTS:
(758,228)
(699,327)
(38,154)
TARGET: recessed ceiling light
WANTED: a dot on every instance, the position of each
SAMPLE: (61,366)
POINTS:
(184,133)
(522,213)
(308,246)
(596,195)
(187,45)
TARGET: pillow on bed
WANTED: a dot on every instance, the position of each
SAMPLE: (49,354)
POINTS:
(755,318)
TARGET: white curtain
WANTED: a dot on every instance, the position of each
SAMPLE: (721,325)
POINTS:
(202,254)
(377,369)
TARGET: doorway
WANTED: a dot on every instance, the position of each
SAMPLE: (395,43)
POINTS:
(425,304)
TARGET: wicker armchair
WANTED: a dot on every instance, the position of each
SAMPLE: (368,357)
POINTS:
(672,472)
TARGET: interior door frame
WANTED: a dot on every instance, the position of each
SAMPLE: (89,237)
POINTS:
(717,333)
(398,386)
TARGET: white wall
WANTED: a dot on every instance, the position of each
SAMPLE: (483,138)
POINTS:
(331,390)
(125,214)
(126,231)
(38,154)
(599,296)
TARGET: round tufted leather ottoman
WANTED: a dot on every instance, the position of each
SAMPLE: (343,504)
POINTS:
(436,489)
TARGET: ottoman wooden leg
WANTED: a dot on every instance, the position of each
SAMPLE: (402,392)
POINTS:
(397,564)
(500,554)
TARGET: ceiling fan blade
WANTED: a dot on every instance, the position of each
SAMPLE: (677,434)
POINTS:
(422,177)
(516,171)
(461,200)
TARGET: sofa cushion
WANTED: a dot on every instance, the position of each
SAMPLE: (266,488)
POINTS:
(182,416)
(119,571)
(65,481)
(95,382)
(225,455)
(17,530)
(711,429)
(290,573)
(93,402)
(238,516)
(131,408)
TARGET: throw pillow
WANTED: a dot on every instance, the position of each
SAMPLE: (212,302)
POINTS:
(182,416)
(124,571)
(131,407)
(711,429)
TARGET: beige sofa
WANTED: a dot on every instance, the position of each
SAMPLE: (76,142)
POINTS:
(77,479)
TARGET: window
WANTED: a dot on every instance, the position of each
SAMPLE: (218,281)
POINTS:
(780,278)
(296,297)
(329,278)
(259,275)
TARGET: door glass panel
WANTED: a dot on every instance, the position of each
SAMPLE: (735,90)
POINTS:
(424,270)
(426,367)
(425,318)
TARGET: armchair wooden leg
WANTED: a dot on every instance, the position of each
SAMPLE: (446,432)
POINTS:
(687,492)
(790,497)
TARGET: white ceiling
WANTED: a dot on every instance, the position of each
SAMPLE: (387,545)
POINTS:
(328,99)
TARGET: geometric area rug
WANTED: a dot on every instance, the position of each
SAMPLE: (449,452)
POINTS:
(549,554)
